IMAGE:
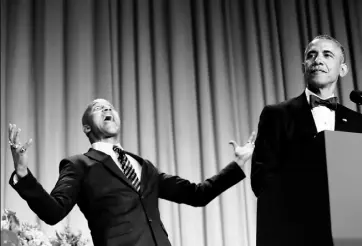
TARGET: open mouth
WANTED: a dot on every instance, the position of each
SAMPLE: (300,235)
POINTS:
(108,118)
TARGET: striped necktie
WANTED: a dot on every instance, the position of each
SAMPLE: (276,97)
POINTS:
(127,168)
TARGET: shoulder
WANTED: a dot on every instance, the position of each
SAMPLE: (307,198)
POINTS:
(275,110)
(79,162)
(350,112)
(354,118)
(285,106)
(78,159)
(274,115)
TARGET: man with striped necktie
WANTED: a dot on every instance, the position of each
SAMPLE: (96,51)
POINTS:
(117,191)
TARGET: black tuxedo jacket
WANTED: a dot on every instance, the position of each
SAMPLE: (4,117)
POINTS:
(289,181)
(117,214)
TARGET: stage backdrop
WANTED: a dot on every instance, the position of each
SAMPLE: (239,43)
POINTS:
(186,76)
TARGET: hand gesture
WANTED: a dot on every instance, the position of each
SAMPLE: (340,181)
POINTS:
(18,151)
(244,153)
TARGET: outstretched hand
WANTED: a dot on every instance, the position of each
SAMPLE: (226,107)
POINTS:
(18,150)
(244,153)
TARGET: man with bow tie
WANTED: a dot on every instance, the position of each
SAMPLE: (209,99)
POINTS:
(292,188)
(117,191)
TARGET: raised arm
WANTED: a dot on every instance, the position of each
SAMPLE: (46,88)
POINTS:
(176,189)
(53,207)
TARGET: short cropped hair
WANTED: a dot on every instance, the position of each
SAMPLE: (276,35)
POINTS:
(327,37)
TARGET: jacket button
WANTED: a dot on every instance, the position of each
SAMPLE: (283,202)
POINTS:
(150,220)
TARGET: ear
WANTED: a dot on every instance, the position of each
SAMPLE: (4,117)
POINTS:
(343,70)
(303,67)
(86,129)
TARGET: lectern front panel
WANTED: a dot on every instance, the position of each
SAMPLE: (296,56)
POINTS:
(344,164)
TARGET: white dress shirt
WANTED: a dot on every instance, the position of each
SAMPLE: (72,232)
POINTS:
(324,118)
(107,148)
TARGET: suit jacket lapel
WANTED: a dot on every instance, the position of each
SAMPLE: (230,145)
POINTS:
(109,164)
(341,120)
(304,116)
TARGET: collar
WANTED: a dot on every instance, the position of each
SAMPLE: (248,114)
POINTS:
(309,92)
(105,147)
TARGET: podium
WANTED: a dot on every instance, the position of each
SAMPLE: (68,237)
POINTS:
(342,153)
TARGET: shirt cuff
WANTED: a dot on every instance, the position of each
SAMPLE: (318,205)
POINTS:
(16,178)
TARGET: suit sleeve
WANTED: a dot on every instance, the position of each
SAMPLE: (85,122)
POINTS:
(266,155)
(176,189)
(51,208)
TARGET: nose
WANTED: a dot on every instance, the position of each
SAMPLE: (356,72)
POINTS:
(318,59)
(105,109)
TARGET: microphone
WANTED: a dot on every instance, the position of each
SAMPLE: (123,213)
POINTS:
(356,97)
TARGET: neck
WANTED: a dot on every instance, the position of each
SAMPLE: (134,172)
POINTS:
(323,92)
(111,140)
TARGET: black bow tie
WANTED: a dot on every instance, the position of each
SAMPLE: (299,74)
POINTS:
(330,103)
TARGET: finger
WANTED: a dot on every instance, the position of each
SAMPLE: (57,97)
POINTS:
(252,137)
(254,134)
(233,143)
(16,136)
(14,131)
(27,144)
(11,132)
(10,127)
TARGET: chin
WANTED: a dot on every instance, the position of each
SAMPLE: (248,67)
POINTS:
(114,132)
(316,83)
(109,133)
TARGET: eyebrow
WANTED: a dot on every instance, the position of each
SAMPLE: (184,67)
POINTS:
(99,104)
(328,51)
(324,52)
